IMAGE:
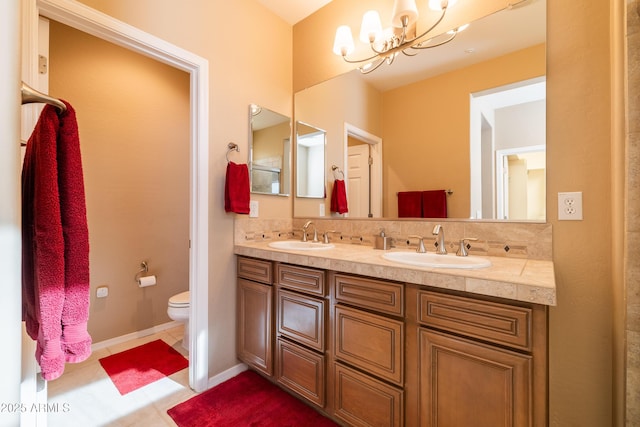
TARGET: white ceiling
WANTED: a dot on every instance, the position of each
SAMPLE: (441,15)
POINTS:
(293,11)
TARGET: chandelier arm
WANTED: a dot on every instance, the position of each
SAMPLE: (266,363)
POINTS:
(417,46)
(356,61)
(409,54)
(373,68)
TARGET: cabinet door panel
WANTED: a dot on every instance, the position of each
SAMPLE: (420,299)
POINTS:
(255,332)
(370,342)
(302,319)
(463,383)
(302,371)
(361,400)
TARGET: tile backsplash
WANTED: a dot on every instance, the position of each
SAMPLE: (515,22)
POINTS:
(505,239)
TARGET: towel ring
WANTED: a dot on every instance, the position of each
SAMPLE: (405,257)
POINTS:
(335,169)
(232,147)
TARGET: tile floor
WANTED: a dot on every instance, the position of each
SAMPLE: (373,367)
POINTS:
(86,397)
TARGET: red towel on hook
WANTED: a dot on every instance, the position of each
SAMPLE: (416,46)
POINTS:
(236,188)
(434,204)
(55,250)
(339,197)
(410,204)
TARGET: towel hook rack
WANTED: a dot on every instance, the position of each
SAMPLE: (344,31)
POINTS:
(335,169)
(30,95)
(232,146)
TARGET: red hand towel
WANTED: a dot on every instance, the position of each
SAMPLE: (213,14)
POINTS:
(76,342)
(434,204)
(410,204)
(43,245)
(339,197)
(236,189)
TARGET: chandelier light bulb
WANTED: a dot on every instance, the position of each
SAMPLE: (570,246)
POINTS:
(404,8)
(371,29)
(441,4)
(343,43)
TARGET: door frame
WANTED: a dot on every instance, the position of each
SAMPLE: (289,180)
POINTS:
(98,24)
(375,144)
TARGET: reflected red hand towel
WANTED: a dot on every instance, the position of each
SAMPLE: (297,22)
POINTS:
(236,188)
(434,204)
(339,197)
(43,269)
(410,204)
(76,342)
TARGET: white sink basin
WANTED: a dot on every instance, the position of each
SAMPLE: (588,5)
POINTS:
(431,260)
(298,245)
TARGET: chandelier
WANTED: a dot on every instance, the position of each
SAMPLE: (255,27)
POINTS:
(386,45)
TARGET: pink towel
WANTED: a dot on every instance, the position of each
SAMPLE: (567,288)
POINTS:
(434,204)
(55,279)
(410,204)
(339,197)
(236,188)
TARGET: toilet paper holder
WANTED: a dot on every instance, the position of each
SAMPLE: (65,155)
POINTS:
(144,268)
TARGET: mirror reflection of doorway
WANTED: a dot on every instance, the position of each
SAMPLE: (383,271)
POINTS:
(363,157)
(510,120)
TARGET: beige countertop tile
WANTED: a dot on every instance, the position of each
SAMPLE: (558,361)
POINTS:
(511,278)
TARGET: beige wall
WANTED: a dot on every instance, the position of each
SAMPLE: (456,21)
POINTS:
(426,128)
(133,116)
(248,63)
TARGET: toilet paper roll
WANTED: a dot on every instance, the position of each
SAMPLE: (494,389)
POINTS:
(146,281)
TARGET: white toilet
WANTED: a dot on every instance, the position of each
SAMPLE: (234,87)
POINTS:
(178,310)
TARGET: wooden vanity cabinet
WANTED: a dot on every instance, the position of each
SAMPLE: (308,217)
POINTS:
(301,316)
(368,333)
(481,362)
(254,314)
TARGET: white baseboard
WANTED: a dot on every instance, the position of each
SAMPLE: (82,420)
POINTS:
(134,335)
(225,375)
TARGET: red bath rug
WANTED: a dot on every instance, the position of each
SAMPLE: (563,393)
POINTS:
(137,367)
(246,400)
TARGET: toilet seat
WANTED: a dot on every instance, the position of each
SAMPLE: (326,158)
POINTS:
(180,300)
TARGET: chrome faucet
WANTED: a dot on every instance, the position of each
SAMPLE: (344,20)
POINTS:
(304,232)
(438,231)
(420,249)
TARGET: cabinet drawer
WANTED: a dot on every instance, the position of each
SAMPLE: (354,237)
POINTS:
(493,322)
(364,401)
(301,318)
(307,280)
(255,269)
(370,342)
(385,297)
(301,371)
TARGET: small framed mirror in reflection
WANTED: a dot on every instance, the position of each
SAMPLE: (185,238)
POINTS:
(269,151)
(310,164)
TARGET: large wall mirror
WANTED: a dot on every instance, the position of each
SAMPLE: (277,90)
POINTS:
(468,117)
(270,151)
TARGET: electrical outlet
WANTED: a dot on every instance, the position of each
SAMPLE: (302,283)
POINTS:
(570,206)
(321,212)
(254,209)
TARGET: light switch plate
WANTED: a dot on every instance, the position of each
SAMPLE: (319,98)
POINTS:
(254,208)
(321,212)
